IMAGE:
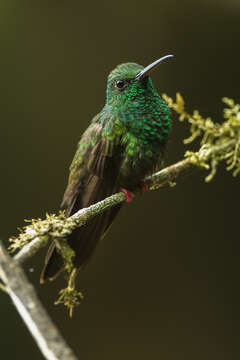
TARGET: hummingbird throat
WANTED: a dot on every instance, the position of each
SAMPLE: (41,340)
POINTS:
(141,110)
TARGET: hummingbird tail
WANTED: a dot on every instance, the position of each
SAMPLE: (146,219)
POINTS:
(51,268)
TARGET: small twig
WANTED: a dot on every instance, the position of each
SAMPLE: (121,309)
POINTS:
(30,249)
(167,175)
(24,298)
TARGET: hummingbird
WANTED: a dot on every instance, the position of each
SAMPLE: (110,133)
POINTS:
(124,143)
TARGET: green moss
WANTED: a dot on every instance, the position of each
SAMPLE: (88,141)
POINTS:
(69,296)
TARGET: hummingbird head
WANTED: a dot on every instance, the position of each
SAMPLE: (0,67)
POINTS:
(134,102)
(130,82)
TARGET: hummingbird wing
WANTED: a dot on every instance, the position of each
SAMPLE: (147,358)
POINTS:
(93,175)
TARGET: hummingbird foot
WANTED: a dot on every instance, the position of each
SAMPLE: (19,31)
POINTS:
(143,186)
(128,194)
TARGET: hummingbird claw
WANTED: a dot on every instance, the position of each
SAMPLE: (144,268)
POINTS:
(128,194)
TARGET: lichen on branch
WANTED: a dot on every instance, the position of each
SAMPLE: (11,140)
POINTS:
(219,141)
(69,296)
(54,227)
(57,227)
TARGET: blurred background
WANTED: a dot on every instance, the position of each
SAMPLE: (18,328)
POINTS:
(165,281)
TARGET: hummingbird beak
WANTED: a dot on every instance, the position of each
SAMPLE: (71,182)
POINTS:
(150,67)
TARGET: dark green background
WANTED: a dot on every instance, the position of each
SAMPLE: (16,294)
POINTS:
(164,284)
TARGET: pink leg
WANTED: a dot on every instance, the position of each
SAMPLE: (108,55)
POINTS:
(129,195)
(143,186)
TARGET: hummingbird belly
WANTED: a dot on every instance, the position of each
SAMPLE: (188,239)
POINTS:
(137,165)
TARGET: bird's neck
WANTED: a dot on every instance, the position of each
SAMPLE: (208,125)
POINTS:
(147,118)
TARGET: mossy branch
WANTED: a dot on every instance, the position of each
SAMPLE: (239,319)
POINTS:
(56,227)
(219,142)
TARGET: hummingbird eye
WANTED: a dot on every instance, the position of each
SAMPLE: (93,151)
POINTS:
(120,84)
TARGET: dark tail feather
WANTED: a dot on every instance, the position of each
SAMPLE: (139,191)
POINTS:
(51,267)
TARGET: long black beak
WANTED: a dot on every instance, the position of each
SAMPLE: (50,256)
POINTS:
(150,67)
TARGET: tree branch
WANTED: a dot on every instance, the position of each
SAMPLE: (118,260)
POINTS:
(220,142)
(46,335)
(161,178)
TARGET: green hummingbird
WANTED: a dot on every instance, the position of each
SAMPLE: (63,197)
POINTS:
(123,143)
